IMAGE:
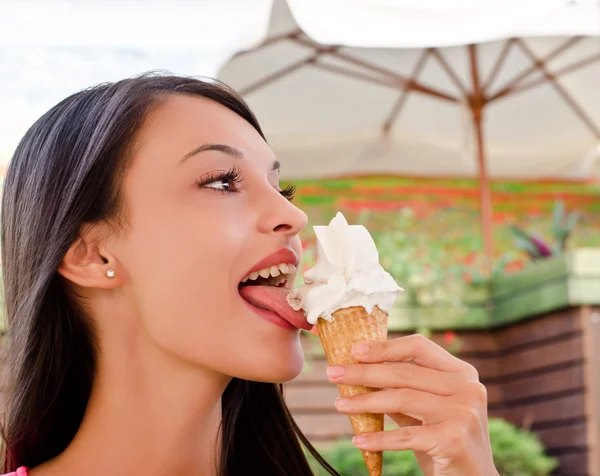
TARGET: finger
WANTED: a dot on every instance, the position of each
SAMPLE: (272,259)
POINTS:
(422,439)
(396,375)
(415,348)
(425,407)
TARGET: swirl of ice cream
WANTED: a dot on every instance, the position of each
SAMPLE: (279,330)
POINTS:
(347,274)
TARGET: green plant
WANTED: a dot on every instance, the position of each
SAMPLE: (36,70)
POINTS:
(535,246)
(476,276)
(516,453)
(423,271)
(348,461)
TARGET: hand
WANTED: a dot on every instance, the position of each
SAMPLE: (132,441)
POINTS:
(427,384)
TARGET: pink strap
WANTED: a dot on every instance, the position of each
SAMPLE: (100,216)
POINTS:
(22,471)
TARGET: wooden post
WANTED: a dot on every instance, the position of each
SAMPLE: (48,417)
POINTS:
(590,323)
(478,102)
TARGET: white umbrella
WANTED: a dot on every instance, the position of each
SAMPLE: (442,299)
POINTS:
(364,87)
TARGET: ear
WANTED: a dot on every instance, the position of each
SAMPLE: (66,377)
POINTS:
(86,265)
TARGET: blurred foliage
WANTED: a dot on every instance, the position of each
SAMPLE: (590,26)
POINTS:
(535,246)
(446,213)
(429,231)
(348,461)
(516,453)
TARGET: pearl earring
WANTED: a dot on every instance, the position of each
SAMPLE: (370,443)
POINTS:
(110,273)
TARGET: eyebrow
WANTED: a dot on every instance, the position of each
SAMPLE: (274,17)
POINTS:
(226,149)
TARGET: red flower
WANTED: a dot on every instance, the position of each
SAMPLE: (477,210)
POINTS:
(514,266)
(470,258)
(314,330)
(449,337)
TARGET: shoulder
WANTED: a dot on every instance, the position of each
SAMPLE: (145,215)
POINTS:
(19,472)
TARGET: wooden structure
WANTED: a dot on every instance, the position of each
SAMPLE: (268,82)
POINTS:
(537,351)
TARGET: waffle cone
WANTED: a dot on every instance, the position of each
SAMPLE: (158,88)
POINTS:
(350,325)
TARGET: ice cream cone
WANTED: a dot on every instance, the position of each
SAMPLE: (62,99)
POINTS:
(350,325)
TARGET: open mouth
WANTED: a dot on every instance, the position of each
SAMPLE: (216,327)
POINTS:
(277,276)
(265,291)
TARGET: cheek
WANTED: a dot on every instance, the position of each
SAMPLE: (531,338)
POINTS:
(182,272)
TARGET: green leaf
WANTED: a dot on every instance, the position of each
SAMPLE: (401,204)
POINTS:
(557,248)
(526,245)
(572,220)
(519,232)
(516,453)
(500,265)
(558,216)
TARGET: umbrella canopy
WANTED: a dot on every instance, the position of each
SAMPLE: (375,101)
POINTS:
(346,105)
(366,87)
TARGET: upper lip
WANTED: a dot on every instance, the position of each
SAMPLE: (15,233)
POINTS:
(284,255)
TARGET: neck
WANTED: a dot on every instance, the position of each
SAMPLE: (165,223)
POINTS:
(148,414)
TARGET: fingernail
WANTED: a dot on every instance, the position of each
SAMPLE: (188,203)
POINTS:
(336,371)
(341,402)
(360,349)
(359,440)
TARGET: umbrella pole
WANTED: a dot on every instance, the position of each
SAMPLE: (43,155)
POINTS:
(478,102)
(485,197)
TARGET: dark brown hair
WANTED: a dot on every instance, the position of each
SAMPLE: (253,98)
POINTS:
(67,171)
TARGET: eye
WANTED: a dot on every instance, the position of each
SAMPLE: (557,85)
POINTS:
(225,182)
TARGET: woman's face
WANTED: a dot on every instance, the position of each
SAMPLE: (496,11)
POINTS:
(205,209)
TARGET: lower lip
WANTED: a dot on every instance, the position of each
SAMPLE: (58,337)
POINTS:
(271,316)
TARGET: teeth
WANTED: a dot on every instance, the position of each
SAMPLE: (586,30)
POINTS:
(284,268)
(277,273)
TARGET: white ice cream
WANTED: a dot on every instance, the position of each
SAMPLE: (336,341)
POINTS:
(347,274)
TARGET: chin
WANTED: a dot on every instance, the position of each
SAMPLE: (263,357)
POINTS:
(279,369)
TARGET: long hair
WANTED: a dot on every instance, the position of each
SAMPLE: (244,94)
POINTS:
(67,171)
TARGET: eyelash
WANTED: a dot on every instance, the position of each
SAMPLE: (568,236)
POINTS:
(234,178)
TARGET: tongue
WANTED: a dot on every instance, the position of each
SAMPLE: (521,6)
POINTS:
(274,299)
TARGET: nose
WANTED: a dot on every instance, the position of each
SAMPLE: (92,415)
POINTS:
(281,216)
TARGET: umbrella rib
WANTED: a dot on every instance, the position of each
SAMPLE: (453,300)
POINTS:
(397,107)
(279,74)
(567,69)
(395,77)
(353,74)
(498,65)
(513,84)
(449,71)
(577,109)
(403,81)
(372,79)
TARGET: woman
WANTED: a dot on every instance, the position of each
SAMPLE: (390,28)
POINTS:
(131,214)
